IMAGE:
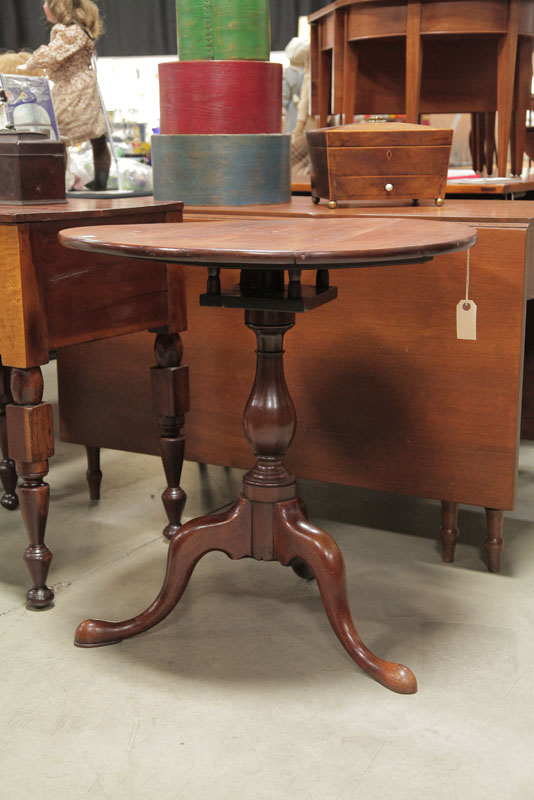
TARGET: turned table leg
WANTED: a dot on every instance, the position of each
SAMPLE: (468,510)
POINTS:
(170,392)
(31,441)
(449,530)
(8,474)
(506,65)
(489,145)
(477,140)
(494,541)
(94,473)
(449,533)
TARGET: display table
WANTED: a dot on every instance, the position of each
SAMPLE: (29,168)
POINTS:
(503,189)
(52,298)
(268,521)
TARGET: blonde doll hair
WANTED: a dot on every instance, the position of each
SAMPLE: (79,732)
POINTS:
(83,12)
(10,61)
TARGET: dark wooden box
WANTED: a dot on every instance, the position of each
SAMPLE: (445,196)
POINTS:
(32,169)
(379,161)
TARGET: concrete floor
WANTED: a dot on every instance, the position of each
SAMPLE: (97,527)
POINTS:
(244,691)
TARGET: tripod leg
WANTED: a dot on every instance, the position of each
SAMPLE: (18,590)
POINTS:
(229,532)
(296,538)
(449,530)
(300,568)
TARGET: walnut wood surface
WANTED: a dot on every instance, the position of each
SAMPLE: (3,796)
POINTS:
(527,410)
(286,242)
(42,283)
(469,212)
(267,521)
(374,161)
(170,398)
(85,208)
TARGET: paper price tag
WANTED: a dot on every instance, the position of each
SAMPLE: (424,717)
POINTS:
(466,320)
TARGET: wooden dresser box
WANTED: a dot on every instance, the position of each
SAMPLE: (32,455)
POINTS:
(379,161)
(32,169)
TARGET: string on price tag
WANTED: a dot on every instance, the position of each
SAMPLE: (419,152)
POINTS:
(466,313)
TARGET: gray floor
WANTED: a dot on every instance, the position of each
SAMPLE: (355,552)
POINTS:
(244,691)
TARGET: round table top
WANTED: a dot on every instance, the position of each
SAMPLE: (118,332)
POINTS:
(278,243)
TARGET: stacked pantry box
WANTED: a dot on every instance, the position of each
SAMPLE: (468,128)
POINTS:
(220,140)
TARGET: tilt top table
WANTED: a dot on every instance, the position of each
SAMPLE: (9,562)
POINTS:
(268,521)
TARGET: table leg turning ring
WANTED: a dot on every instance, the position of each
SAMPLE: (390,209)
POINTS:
(8,473)
(31,443)
(267,522)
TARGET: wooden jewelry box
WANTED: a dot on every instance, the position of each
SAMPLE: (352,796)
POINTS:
(379,161)
(32,169)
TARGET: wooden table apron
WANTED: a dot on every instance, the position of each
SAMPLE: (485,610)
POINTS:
(415,411)
(51,298)
(268,521)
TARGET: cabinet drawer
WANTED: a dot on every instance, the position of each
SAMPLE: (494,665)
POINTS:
(346,161)
(371,187)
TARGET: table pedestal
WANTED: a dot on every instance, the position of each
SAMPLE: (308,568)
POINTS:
(267,522)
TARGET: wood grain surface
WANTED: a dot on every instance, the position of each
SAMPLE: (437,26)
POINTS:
(469,212)
(86,208)
(378,161)
(380,134)
(51,298)
(278,244)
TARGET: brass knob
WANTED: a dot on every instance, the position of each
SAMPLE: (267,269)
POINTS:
(388,187)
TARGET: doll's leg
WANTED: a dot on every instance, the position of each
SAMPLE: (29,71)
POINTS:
(102,162)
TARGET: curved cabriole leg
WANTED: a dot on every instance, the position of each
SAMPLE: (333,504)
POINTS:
(8,474)
(170,391)
(296,538)
(31,442)
(94,473)
(300,568)
(449,530)
(494,541)
(229,532)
